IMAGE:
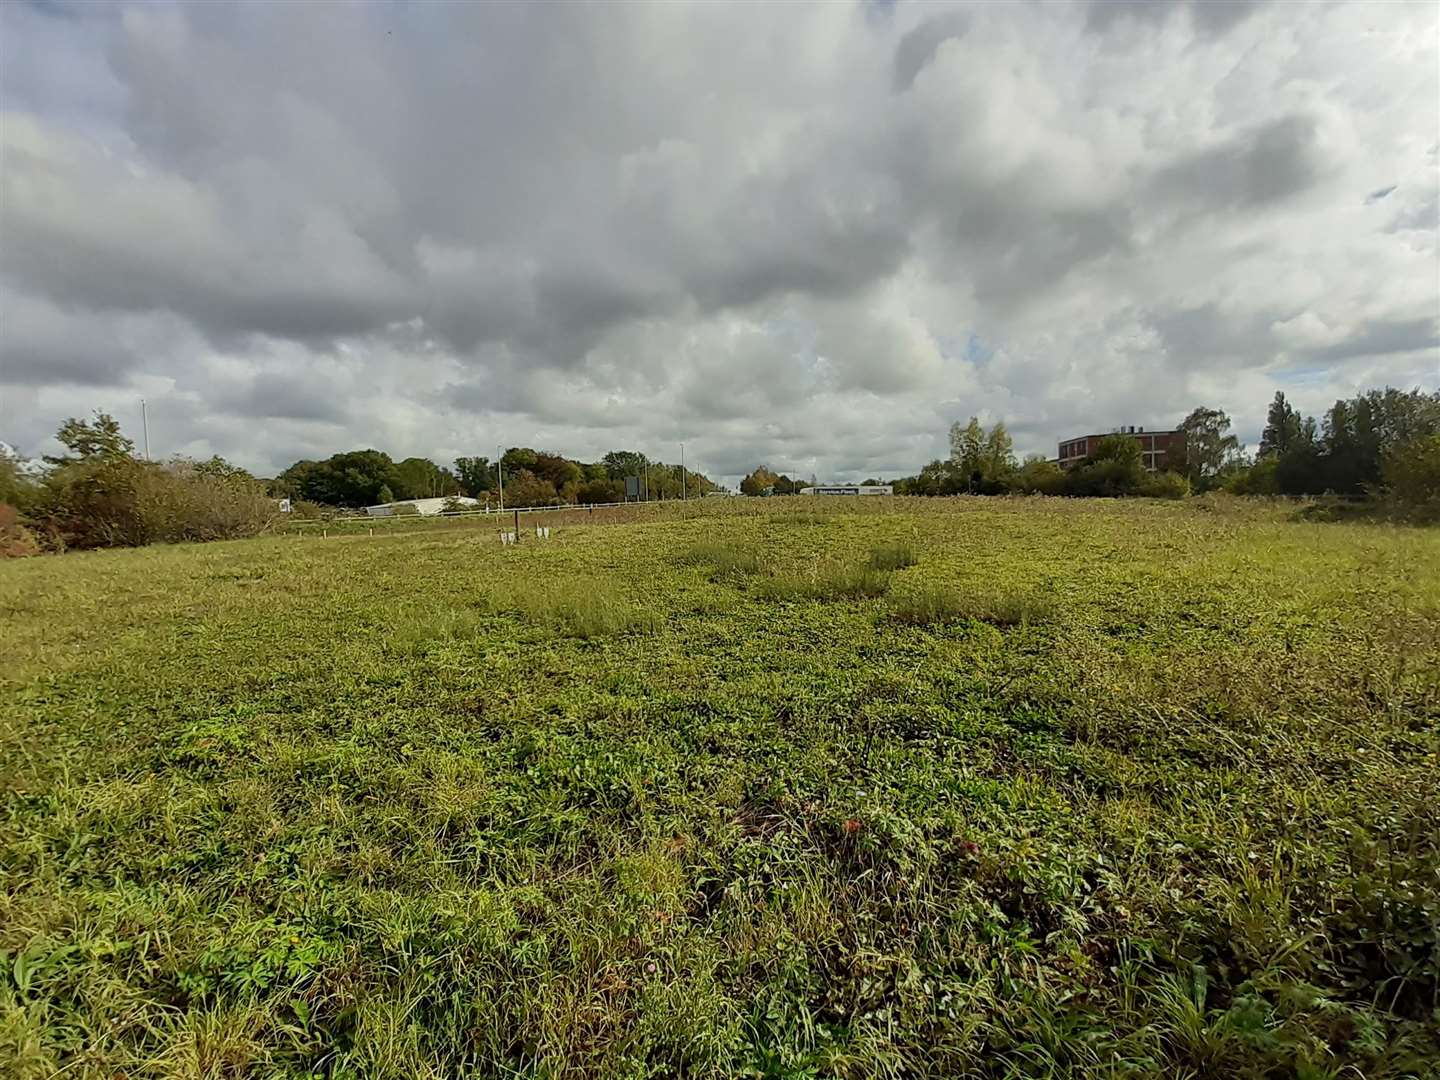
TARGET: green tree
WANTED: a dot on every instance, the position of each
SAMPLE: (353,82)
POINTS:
(515,459)
(622,463)
(421,478)
(998,457)
(219,469)
(1411,472)
(98,438)
(1284,429)
(1115,467)
(1040,476)
(385,495)
(1206,446)
(561,472)
(600,491)
(527,489)
(349,479)
(759,482)
(476,474)
(967,446)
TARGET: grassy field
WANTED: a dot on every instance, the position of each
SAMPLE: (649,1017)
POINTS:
(961,787)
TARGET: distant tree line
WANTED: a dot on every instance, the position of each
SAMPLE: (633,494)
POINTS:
(359,478)
(1383,441)
(1383,444)
(983,462)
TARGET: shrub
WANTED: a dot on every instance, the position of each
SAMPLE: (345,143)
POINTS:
(16,541)
(92,503)
(305,510)
(122,502)
(599,491)
(936,605)
(404,509)
(1261,478)
(893,557)
(1411,473)
(527,489)
(826,582)
(16,488)
(1039,476)
(176,503)
(1165,485)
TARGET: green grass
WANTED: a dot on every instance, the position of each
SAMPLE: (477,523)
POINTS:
(830,580)
(579,607)
(419,805)
(893,557)
(724,560)
(936,605)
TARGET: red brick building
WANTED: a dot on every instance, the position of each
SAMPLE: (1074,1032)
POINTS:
(1155,447)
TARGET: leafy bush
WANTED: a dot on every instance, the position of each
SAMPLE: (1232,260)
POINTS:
(16,488)
(1261,478)
(1039,476)
(404,509)
(527,489)
(936,605)
(1411,473)
(599,491)
(176,503)
(1165,485)
(122,502)
(91,503)
(893,557)
(16,541)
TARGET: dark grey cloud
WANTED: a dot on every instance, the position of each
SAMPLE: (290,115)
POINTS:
(1209,17)
(1249,170)
(42,344)
(1211,335)
(283,396)
(1379,193)
(1381,337)
(917,48)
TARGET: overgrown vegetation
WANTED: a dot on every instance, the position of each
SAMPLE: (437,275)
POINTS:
(935,605)
(825,580)
(101,495)
(420,805)
(586,608)
(724,560)
(893,557)
(530,477)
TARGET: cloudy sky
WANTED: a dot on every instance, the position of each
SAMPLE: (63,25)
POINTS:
(804,235)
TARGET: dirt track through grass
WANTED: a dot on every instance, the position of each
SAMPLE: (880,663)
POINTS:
(421,805)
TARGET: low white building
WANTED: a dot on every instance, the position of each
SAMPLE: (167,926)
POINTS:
(849,489)
(426,507)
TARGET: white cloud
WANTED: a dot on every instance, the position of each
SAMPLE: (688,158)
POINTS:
(806,235)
